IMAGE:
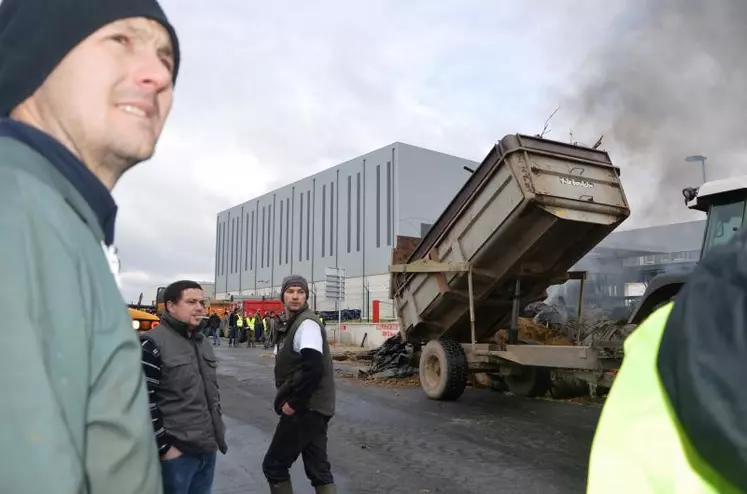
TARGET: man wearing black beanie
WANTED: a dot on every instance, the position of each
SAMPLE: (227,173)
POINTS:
(85,89)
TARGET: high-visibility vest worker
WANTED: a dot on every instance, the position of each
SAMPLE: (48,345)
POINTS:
(674,419)
(239,321)
(250,322)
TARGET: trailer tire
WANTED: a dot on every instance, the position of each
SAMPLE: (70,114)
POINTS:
(532,382)
(443,370)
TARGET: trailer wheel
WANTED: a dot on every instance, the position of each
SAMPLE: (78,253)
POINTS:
(531,382)
(443,370)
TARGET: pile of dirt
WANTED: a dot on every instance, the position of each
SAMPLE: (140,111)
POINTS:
(532,331)
(547,335)
(388,382)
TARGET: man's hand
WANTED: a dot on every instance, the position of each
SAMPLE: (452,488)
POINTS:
(171,454)
(287,410)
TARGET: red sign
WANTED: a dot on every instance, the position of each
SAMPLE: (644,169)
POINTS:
(388,327)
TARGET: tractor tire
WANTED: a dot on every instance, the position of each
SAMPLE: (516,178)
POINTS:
(443,370)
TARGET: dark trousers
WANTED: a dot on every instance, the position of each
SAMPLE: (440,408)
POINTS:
(303,433)
(188,474)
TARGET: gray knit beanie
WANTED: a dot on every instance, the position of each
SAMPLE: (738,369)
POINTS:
(294,280)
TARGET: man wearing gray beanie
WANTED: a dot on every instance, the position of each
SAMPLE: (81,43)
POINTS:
(85,89)
(305,397)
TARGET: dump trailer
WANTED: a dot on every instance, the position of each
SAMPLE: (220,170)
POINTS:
(531,210)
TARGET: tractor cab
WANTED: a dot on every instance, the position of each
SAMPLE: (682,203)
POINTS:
(724,202)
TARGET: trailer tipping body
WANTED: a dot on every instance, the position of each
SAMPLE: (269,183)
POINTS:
(532,210)
(529,212)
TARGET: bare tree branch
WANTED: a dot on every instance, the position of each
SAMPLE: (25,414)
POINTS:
(599,142)
(546,130)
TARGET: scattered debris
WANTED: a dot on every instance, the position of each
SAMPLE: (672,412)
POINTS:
(345,356)
(392,382)
(393,359)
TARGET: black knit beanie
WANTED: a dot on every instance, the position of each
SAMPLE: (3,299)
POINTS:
(35,35)
(294,280)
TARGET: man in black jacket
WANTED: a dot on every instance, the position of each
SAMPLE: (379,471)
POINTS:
(233,330)
(214,325)
(305,398)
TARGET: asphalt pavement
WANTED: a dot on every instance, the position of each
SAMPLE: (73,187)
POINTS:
(393,440)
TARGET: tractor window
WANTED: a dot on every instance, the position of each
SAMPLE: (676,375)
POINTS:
(160,292)
(724,222)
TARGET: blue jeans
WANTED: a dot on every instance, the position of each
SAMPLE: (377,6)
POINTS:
(188,474)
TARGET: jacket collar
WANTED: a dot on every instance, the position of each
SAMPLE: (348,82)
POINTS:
(180,327)
(93,191)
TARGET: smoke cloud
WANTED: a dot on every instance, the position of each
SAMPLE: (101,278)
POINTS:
(669,82)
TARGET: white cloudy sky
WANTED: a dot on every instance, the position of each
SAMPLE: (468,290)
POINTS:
(270,92)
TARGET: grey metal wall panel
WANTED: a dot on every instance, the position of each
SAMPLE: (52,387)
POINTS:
(351,197)
(430,181)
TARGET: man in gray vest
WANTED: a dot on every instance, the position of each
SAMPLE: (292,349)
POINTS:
(305,397)
(180,370)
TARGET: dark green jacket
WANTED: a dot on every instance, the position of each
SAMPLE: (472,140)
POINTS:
(74,411)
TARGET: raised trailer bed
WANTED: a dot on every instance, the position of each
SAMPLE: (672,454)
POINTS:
(530,212)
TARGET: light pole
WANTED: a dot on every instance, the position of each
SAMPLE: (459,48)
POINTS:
(695,158)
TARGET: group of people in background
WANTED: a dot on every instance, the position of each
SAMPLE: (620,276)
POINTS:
(251,328)
(244,327)
(248,327)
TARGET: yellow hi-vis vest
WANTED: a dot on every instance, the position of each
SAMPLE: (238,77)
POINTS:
(239,321)
(250,322)
(639,447)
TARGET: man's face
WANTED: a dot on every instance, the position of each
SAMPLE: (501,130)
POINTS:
(109,97)
(294,298)
(190,308)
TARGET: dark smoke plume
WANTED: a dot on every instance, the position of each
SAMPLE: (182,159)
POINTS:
(671,83)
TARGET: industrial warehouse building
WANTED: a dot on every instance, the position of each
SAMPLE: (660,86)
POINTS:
(346,217)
